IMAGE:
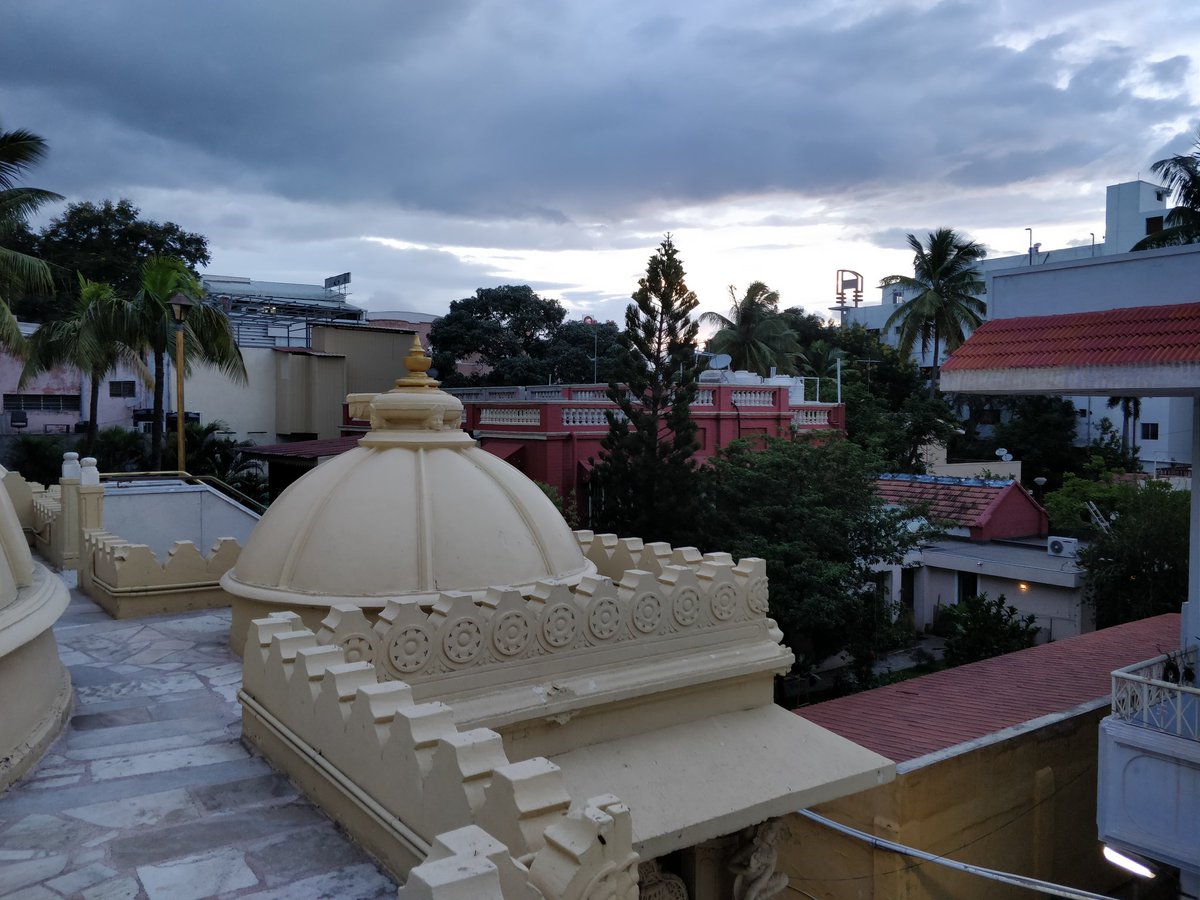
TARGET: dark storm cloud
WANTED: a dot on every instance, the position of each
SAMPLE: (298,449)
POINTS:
(553,113)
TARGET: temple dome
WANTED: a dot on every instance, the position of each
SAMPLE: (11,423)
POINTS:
(415,509)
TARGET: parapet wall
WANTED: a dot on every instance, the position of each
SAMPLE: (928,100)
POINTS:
(127,579)
(398,773)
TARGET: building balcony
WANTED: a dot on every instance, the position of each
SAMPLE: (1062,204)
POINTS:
(1149,768)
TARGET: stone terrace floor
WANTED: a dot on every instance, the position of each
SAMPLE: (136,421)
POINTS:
(150,793)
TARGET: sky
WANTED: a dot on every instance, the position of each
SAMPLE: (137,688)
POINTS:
(431,148)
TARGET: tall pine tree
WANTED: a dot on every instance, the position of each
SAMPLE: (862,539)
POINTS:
(645,482)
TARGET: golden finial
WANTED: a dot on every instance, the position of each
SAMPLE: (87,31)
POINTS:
(417,362)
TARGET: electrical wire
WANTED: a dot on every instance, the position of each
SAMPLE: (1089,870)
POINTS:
(1021,881)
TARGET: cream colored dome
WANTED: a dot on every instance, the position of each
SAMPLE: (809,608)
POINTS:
(415,509)
(16,562)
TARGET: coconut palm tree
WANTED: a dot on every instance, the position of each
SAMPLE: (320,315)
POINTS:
(754,334)
(1131,411)
(146,322)
(947,303)
(87,340)
(820,359)
(1181,175)
(19,150)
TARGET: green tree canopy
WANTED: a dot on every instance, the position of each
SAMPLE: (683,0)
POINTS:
(109,243)
(810,508)
(754,334)
(644,484)
(21,272)
(979,628)
(947,301)
(1139,566)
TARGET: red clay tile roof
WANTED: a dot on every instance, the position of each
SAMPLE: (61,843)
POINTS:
(1142,335)
(938,711)
(967,502)
(306,449)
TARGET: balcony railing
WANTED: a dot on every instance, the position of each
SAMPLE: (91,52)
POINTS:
(1160,693)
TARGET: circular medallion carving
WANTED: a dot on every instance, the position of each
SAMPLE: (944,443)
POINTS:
(759,592)
(647,612)
(359,647)
(558,625)
(686,606)
(462,640)
(605,618)
(724,601)
(510,632)
(408,650)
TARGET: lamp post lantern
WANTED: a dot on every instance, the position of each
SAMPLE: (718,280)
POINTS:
(180,307)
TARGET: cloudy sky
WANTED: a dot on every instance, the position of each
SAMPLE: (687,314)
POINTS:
(431,147)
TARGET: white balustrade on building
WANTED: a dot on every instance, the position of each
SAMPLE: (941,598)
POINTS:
(525,415)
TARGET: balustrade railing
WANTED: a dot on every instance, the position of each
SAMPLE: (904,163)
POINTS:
(530,415)
(809,418)
(585,416)
(1160,693)
(752,397)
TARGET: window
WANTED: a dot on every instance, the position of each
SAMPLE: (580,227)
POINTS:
(1154,224)
(968,585)
(42,402)
(1149,431)
(122,389)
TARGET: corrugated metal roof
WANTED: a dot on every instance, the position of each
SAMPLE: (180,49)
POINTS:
(942,710)
(1142,335)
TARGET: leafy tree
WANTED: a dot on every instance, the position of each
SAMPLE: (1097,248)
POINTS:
(980,628)
(86,340)
(120,449)
(39,457)
(820,360)
(209,452)
(1040,431)
(497,325)
(645,481)
(947,303)
(1131,411)
(1181,175)
(808,327)
(20,271)
(1068,505)
(809,507)
(109,243)
(146,322)
(754,334)
(1139,567)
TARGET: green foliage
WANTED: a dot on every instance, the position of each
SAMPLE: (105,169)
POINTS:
(644,484)
(121,450)
(754,334)
(109,243)
(1040,431)
(21,271)
(1181,175)
(980,628)
(1139,567)
(38,458)
(209,451)
(809,507)
(947,301)
(1067,505)
(566,507)
(1107,452)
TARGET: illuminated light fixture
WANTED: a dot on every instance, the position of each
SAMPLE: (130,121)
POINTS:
(1022,586)
(1129,863)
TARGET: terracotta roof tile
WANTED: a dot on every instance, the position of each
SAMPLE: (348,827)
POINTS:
(941,710)
(306,449)
(1141,335)
(966,502)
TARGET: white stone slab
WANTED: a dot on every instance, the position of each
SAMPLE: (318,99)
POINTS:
(146,763)
(194,877)
(33,871)
(73,882)
(124,887)
(137,812)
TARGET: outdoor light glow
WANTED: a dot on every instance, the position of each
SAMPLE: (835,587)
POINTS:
(1128,863)
(1022,586)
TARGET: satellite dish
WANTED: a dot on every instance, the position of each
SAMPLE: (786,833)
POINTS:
(1002,452)
(720,361)
(1007,457)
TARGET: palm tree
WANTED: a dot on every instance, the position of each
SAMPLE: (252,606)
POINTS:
(820,360)
(1131,411)
(146,322)
(86,340)
(947,303)
(1181,175)
(754,334)
(19,150)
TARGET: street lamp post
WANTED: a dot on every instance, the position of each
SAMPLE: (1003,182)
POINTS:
(180,307)
(588,320)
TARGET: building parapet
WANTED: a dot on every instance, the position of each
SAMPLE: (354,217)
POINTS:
(421,776)
(1156,694)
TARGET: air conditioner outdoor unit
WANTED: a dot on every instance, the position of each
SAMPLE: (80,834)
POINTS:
(1062,546)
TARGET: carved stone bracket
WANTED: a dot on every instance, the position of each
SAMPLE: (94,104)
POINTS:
(655,884)
(753,863)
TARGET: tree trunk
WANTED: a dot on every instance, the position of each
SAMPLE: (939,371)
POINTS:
(1124,426)
(935,374)
(156,429)
(89,442)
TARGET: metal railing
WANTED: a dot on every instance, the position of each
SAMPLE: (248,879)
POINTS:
(211,480)
(1160,693)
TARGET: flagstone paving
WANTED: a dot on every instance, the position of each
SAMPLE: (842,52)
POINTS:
(149,793)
